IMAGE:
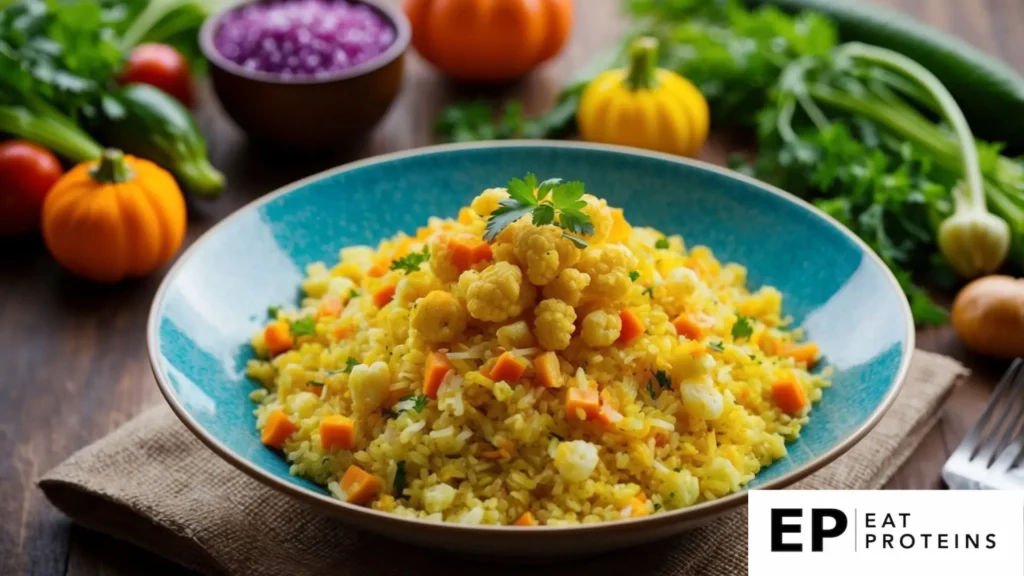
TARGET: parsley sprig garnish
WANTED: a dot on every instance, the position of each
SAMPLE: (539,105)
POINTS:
(411,402)
(634,276)
(304,326)
(549,202)
(411,262)
(663,379)
(742,328)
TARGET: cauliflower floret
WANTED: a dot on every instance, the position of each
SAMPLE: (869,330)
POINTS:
(370,386)
(554,323)
(601,328)
(689,361)
(677,287)
(467,279)
(515,335)
(545,252)
(568,286)
(414,286)
(441,259)
(609,267)
(701,399)
(495,295)
(487,201)
(439,317)
(576,460)
(504,252)
(679,489)
(600,216)
(438,498)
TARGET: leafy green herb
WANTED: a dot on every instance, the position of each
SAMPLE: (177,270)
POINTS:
(350,363)
(305,326)
(411,262)
(663,379)
(400,480)
(716,346)
(649,291)
(650,388)
(634,275)
(742,328)
(672,495)
(415,402)
(661,243)
(273,310)
(549,202)
(353,293)
(657,506)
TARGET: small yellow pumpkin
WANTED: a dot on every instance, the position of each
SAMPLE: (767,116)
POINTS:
(119,217)
(644,106)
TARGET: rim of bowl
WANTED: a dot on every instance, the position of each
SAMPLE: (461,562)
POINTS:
(394,16)
(704,510)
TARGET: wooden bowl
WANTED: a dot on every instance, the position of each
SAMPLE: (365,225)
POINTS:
(309,114)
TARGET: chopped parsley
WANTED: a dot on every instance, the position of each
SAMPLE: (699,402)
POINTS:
(663,379)
(350,363)
(650,388)
(742,328)
(649,291)
(549,202)
(657,506)
(671,495)
(400,479)
(411,262)
(634,275)
(273,310)
(716,346)
(304,326)
(411,402)
(662,243)
(353,293)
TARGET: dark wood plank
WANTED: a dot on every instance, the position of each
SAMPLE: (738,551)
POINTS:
(77,368)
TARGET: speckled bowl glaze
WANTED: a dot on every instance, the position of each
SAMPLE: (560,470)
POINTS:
(217,294)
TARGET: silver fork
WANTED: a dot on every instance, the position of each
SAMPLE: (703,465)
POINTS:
(989,457)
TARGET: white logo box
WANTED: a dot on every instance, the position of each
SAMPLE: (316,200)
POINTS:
(927,533)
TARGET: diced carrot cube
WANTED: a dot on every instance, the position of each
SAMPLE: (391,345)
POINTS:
(467,251)
(359,485)
(526,519)
(549,372)
(609,416)
(277,429)
(509,368)
(495,454)
(341,332)
(686,326)
(806,353)
(632,327)
(789,396)
(384,295)
(329,306)
(337,431)
(586,399)
(437,367)
(278,337)
(638,507)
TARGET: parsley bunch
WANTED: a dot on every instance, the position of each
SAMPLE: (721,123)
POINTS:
(549,202)
(411,262)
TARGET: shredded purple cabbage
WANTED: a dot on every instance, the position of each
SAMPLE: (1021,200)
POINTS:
(303,37)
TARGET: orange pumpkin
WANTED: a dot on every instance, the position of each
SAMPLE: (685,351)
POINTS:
(488,40)
(117,218)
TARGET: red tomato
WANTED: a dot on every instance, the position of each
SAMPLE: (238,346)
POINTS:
(162,66)
(27,172)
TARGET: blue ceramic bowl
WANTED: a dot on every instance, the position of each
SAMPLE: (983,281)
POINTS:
(217,295)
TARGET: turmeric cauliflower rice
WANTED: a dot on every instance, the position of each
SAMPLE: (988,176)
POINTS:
(536,361)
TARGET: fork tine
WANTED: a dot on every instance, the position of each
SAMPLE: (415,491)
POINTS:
(1009,457)
(1007,425)
(969,445)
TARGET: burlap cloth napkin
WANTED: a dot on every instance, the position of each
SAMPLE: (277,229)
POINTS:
(152,483)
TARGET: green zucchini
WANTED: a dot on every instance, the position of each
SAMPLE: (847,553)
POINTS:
(145,121)
(990,93)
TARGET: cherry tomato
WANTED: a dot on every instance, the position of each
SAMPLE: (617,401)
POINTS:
(27,172)
(162,66)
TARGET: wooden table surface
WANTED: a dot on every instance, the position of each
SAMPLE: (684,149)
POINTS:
(74,356)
